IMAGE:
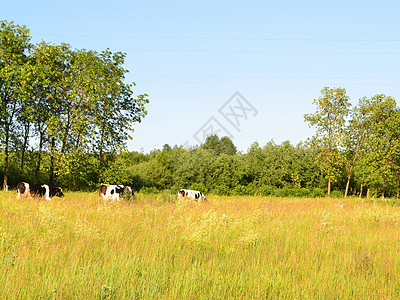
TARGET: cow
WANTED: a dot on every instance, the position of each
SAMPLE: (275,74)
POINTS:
(192,195)
(25,190)
(114,192)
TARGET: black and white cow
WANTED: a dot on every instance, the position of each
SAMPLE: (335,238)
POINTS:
(114,192)
(192,195)
(25,190)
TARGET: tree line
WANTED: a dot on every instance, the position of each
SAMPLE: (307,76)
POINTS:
(60,105)
(359,142)
(355,151)
(66,115)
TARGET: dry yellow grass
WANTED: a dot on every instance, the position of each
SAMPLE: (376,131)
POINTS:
(230,247)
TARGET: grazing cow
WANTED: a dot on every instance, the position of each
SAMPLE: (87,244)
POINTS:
(192,195)
(25,190)
(114,192)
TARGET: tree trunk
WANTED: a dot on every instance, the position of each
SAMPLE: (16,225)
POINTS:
(329,187)
(361,190)
(6,167)
(69,182)
(101,154)
(52,178)
(347,185)
(26,136)
(8,123)
(368,193)
(39,158)
(351,170)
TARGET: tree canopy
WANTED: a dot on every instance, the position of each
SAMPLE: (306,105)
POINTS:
(62,102)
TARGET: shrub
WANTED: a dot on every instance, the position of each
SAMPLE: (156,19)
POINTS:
(149,190)
(318,192)
(286,192)
(337,194)
(303,192)
(242,190)
(222,190)
(136,182)
(266,190)
(198,187)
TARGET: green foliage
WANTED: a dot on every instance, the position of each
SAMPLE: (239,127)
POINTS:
(285,192)
(318,192)
(199,187)
(378,165)
(221,190)
(266,190)
(337,194)
(329,120)
(66,103)
(242,190)
(304,192)
(66,116)
(219,146)
(14,49)
(116,173)
(259,171)
(149,190)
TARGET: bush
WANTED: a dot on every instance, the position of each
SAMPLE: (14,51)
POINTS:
(318,192)
(266,190)
(198,187)
(136,182)
(242,190)
(149,190)
(286,192)
(222,190)
(303,192)
(337,194)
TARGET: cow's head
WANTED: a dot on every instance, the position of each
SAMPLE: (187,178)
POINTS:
(58,192)
(183,193)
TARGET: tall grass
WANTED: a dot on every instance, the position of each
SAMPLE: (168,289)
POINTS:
(78,247)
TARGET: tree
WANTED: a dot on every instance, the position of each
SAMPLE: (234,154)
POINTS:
(219,146)
(354,138)
(254,163)
(71,102)
(14,47)
(116,109)
(226,171)
(329,120)
(379,165)
(48,64)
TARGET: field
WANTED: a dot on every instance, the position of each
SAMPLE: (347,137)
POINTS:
(230,247)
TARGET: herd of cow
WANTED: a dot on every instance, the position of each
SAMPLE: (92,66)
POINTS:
(107,192)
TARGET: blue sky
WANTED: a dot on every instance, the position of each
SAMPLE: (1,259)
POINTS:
(191,58)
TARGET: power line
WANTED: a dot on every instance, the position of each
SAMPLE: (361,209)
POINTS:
(266,77)
(259,83)
(261,52)
(218,38)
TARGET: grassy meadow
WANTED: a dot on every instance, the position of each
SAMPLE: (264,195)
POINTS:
(78,247)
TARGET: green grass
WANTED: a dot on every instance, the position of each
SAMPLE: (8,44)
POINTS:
(230,247)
